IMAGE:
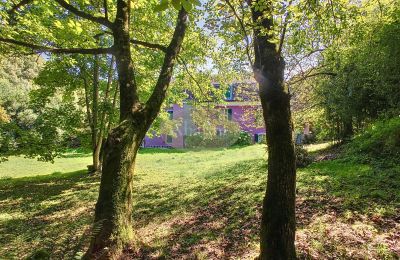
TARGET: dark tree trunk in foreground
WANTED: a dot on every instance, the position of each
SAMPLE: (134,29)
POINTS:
(278,215)
(113,216)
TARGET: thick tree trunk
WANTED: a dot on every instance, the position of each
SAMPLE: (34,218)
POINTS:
(278,215)
(113,224)
(113,216)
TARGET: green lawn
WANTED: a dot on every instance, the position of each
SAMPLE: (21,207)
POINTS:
(22,167)
(202,204)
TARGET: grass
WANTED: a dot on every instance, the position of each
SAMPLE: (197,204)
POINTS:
(204,205)
(17,167)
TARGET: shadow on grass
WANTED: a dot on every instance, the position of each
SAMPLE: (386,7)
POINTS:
(187,216)
(217,216)
(49,212)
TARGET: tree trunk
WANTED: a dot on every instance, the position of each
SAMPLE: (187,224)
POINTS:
(102,130)
(348,130)
(278,215)
(95,115)
(112,229)
(113,215)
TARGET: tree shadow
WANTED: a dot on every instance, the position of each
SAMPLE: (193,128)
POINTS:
(51,212)
(216,217)
(220,217)
(207,216)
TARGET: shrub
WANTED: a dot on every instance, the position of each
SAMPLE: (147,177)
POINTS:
(198,140)
(303,158)
(243,139)
(379,141)
(40,254)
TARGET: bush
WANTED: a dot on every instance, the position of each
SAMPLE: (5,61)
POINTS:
(379,141)
(243,139)
(303,158)
(198,140)
(40,254)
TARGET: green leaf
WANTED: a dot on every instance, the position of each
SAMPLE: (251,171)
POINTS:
(162,6)
(187,5)
(196,2)
(58,24)
(177,4)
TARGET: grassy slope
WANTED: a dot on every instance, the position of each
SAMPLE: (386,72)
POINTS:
(206,204)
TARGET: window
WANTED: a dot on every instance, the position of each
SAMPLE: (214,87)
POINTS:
(259,138)
(229,93)
(220,132)
(170,114)
(169,139)
(228,113)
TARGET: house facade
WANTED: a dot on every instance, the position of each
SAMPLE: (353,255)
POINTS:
(240,105)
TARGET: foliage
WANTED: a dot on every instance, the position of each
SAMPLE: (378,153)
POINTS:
(244,139)
(356,81)
(379,142)
(200,140)
(27,131)
(212,121)
(164,125)
(303,158)
(40,254)
(213,127)
(70,81)
(4,117)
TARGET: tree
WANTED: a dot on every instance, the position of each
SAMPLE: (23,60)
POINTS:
(278,222)
(278,30)
(113,224)
(353,82)
(88,82)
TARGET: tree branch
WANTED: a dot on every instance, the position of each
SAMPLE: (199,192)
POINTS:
(18,6)
(283,34)
(105,6)
(311,75)
(197,83)
(156,99)
(95,19)
(243,28)
(150,45)
(40,49)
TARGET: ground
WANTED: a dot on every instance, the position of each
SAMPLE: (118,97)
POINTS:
(202,205)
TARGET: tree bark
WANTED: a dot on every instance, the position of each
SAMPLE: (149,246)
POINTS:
(113,215)
(112,229)
(102,128)
(348,130)
(278,224)
(95,114)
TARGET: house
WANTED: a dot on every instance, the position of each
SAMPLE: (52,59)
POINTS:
(240,105)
